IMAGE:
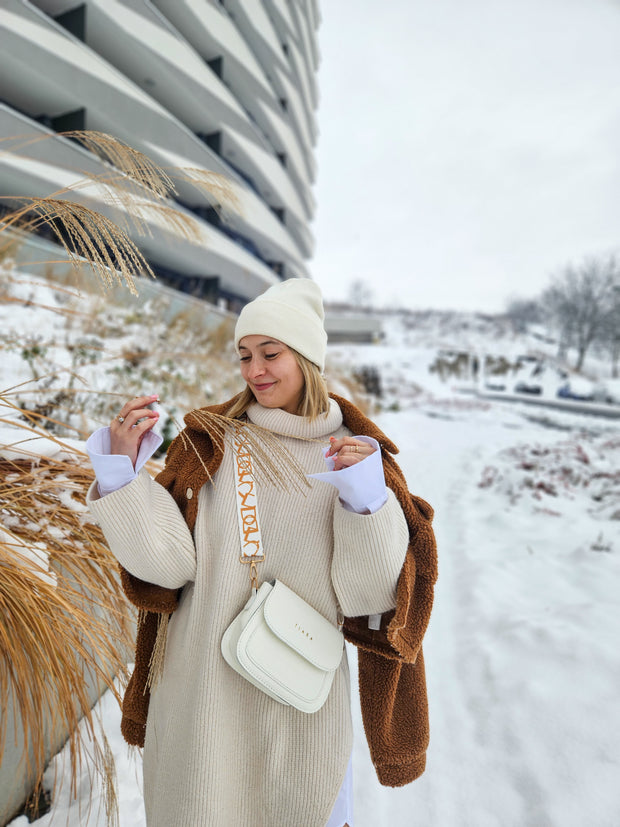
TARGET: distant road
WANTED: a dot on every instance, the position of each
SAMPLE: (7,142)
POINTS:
(570,405)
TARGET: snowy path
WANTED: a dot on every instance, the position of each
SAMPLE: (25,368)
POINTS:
(439,469)
(521,657)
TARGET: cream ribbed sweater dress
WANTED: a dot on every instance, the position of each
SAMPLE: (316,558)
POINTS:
(218,752)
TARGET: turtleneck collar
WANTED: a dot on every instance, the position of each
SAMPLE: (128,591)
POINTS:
(281,422)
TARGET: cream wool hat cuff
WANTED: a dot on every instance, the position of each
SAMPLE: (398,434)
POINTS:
(291,312)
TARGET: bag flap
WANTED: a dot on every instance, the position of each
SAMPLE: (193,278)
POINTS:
(303,628)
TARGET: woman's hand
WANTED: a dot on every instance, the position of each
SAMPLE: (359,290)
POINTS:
(347,451)
(126,429)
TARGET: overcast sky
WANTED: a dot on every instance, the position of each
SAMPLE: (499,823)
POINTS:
(467,150)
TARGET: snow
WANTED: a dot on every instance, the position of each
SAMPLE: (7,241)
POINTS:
(33,557)
(16,443)
(610,389)
(89,806)
(521,653)
(579,386)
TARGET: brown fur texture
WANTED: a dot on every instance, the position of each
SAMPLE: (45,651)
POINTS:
(390,661)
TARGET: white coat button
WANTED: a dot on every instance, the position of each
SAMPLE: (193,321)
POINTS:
(189,493)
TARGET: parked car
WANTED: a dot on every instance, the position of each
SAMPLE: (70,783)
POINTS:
(528,386)
(608,391)
(536,377)
(576,388)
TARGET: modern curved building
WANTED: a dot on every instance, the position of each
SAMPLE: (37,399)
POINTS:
(227,87)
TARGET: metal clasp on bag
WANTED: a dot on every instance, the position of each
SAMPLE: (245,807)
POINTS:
(257,558)
(340,619)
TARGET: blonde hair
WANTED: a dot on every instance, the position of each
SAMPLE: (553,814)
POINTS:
(315,399)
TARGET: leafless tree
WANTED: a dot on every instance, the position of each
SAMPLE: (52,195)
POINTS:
(523,312)
(360,294)
(578,302)
(609,334)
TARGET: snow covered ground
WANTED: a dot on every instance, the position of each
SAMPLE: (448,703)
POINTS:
(522,650)
(522,653)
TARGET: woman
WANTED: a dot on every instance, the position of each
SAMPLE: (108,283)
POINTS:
(217,750)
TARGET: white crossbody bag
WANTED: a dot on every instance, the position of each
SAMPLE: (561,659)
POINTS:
(278,642)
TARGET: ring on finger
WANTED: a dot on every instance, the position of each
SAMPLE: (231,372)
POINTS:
(121,419)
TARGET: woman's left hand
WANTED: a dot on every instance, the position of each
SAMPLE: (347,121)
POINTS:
(347,451)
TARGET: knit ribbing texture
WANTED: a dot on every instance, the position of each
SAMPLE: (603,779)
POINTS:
(218,752)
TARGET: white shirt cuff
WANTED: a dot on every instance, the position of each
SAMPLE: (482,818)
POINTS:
(113,471)
(361,487)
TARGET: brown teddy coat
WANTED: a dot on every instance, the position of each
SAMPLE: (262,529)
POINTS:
(390,662)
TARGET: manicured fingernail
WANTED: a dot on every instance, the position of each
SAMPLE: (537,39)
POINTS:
(332,439)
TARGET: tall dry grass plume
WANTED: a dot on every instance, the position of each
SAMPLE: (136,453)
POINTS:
(140,191)
(66,630)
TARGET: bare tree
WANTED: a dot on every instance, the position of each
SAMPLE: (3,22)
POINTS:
(557,305)
(523,312)
(609,334)
(360,294)
(579,301)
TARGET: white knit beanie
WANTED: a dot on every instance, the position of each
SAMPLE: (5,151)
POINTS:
(291,312)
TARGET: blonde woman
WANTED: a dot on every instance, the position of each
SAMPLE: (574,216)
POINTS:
(218,751)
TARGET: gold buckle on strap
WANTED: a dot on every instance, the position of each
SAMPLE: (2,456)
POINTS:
(257,558)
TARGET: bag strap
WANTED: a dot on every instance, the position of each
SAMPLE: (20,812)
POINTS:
(247,512)
(247,508)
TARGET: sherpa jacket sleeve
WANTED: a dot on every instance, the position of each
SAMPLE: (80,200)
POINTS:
(146,532)
(369,550)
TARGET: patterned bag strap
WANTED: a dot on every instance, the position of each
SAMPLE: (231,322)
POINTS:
(247,508)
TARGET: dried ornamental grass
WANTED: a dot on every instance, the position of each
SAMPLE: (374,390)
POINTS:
(273,462)
(140,173)
(214,185)
(64,623)
(85,235)
(136,209)
(136,185)
(135,165)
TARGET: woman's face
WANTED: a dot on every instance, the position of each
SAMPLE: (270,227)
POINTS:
(272,372)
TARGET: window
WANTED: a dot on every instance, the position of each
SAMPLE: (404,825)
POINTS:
(70,121)
(74,21)
(217,66)
(213,140)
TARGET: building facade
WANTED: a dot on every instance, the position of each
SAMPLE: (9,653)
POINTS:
(197,85)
